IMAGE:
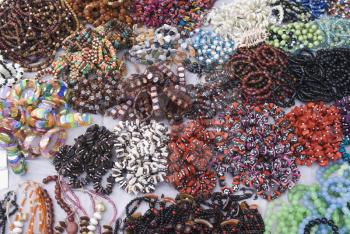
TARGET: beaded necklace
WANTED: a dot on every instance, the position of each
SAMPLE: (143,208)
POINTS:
(35,203)
(32,31)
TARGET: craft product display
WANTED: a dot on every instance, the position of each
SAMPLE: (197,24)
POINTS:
(244,22)
(312,205)
(340,8)
(162,44)
(210,51)
(263,75)
(157,93)
(33,111)
(10,73)
(257,153)
(319,132)
(317,7)
(34,207)
(75,207)
(32,31)
(88,160)
(190,152)
(324,75)
(294,36)
(97,12)
(213,102)
(141,155)
(184,14)
(221,213)
(292,11)
(8,208)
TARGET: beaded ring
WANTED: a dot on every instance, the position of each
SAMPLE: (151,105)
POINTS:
(141,155)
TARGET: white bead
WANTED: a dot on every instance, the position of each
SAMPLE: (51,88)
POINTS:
(17,230)
(18,224)
(90,232)
(93,221)
(91,228)
(97,215)
(100,207)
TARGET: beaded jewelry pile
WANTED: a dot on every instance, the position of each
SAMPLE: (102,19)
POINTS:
(141,155)
(245,22)
(210,101)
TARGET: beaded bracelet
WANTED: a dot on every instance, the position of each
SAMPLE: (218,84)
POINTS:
(220,89)
(294,36)
(92,154)
(315,200)
(319,144)
(185,15)
(281,220)
(335,30)
(185,214)
(158,93)
(98,12)
(36,31)
(190,154)
(263,75)
(8,208)
(10,73)
(242,21)
(292,11)
(256,153)
(344,110)
(141,154)
(339,8)
(211,51)
(323,76)
(317,7)
(309,222)
(33,111)
(162,44)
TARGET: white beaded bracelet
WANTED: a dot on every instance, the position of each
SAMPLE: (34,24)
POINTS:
(243,21)
(10,73)
(142,152)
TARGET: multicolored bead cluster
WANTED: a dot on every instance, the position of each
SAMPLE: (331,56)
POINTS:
(212,102)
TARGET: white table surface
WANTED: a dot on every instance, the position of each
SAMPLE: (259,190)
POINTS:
(41,167)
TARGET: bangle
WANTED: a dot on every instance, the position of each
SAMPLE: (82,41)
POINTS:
(51,141)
